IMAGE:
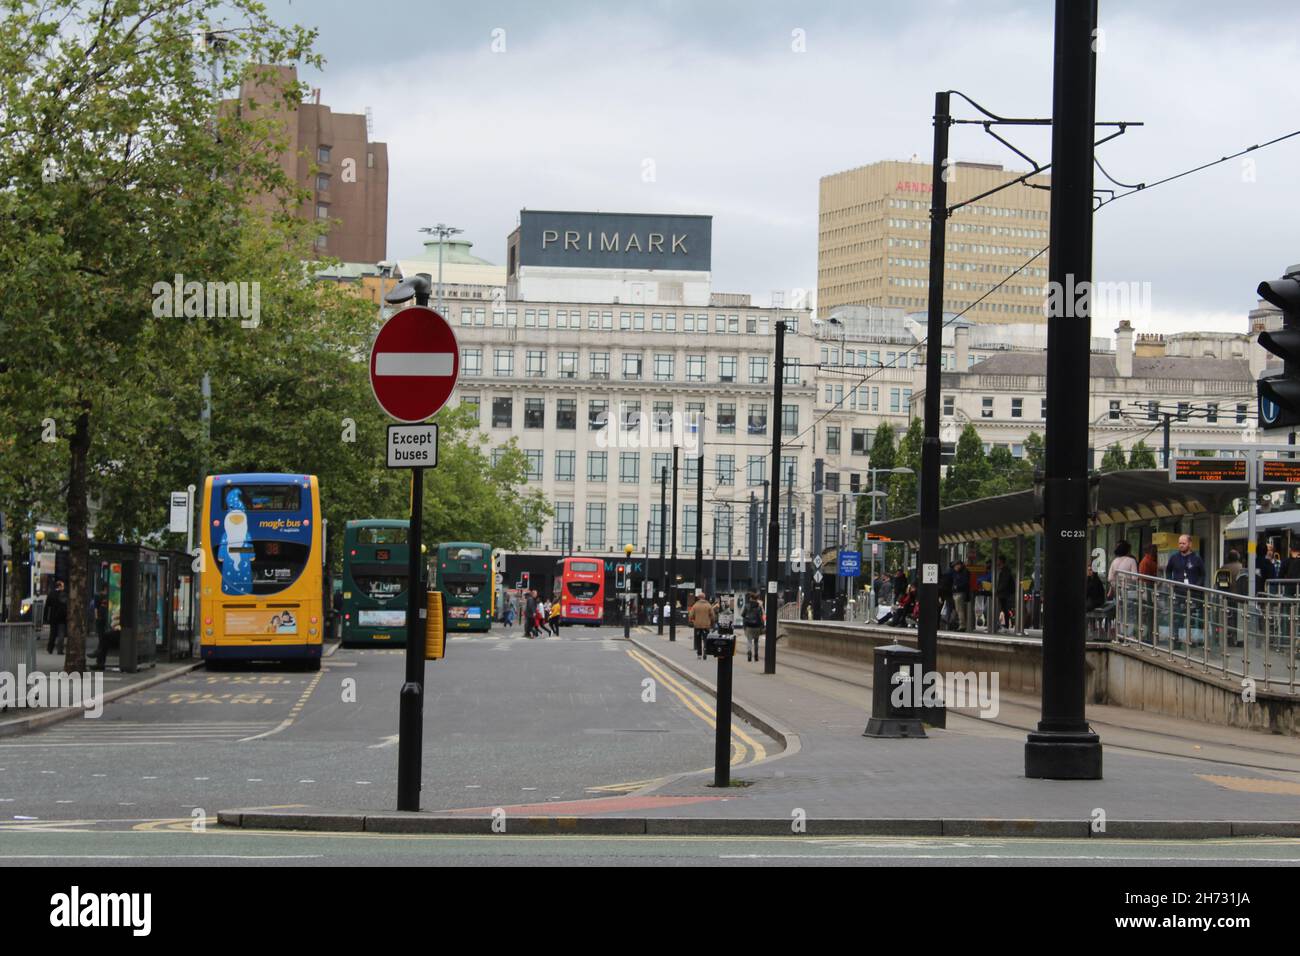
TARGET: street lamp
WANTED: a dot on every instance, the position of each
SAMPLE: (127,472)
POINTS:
(443,232)
(627,592)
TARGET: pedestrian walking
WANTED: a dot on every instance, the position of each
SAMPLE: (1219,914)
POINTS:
(702,618)
(57,610)
(553,618)
(1187,570)
(961,594)
(1122,563)
(751,618)
(530,613)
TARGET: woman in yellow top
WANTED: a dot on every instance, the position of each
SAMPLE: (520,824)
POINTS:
(554,620)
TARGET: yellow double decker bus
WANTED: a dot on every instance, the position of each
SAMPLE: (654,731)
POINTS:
(262,580)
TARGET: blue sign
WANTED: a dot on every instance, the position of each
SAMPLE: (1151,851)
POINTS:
(850,564)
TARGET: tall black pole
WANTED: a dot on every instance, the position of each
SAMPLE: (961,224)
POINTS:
(773,522)
(927,637)
(1165,463)
(672,566)
(663,543)
(699,518)
(714,577)
(410,720)
(1064,746)
(762,527)
(818,485)
(753,542)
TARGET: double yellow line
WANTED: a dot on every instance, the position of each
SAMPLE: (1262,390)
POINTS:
(701,708)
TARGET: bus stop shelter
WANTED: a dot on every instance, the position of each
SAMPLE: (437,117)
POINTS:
(1142,507)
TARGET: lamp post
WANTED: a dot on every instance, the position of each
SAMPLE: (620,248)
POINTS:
(443,232)
(627,592)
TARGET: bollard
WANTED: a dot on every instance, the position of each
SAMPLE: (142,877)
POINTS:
(895,666)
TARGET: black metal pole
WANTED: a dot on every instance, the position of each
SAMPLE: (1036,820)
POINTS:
(699,518)
(753,542)
(773,526)
(714,576)
(819,483)
(672,566)
(1165,463)
(663,543)
(722,728)
(1064,746)
(410,719)
(927,637)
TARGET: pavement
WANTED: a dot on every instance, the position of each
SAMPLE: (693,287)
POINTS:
(591,735)
(116,685)
(1164,777)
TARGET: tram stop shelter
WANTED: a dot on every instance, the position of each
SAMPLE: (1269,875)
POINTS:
(1142,506)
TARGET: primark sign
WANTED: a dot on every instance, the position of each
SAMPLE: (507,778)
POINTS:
(601,240)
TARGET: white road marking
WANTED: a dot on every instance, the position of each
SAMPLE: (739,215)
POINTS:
(154,856)
(386,742)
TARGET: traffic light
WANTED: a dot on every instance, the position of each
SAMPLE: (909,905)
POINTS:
(1279,395)
(524,577)
(620,577)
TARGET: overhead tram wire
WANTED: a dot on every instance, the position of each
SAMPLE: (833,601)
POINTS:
(1141,187)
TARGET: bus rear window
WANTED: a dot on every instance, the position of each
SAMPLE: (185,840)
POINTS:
(381,536)
(262,497)
(583,590)
(584,567)
(465,554)
(463,589)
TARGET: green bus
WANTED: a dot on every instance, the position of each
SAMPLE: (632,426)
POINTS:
(375,558)
(464,576)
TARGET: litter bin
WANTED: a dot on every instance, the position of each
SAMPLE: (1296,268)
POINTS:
(895,693)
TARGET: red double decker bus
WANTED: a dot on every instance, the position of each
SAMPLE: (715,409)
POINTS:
(580,589)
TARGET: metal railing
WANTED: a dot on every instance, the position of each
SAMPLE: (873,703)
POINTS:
(1222,632)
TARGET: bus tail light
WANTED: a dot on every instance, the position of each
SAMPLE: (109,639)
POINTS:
(207,620)
(313,620)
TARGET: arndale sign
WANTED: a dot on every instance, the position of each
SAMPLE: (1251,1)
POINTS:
(599,240)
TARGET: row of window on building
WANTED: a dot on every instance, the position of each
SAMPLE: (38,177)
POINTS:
(604,320)
(719,470)
(729,533)
(632,365)
(1005,212)
(630,418)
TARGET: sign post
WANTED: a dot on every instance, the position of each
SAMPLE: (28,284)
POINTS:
(414,364)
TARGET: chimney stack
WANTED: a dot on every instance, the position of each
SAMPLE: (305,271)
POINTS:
(1124,349)
(961,343)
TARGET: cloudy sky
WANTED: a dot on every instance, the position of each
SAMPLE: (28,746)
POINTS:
(736,109)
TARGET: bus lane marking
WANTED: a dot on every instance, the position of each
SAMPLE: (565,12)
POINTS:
(293,712)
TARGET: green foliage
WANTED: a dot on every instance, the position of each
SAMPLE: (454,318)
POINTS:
(118,172)
(1114,459)
(883,455)
(969,470)
(1035,452)
(1140,456)
(903,488)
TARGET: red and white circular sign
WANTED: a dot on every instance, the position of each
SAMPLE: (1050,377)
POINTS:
(414,364)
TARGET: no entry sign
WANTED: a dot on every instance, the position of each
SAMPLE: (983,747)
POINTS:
(414,364)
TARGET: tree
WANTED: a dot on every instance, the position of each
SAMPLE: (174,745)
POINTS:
(883,455)
(115,175)
(1035,452)
(1006,474)
(1114,459)
(969,469)
(1140,456)
(903,488)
